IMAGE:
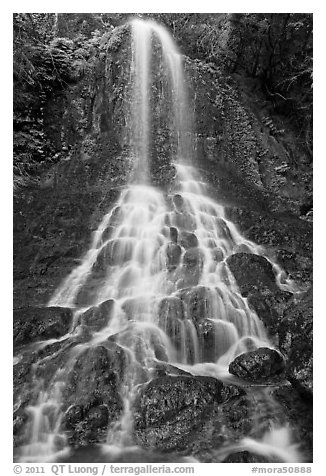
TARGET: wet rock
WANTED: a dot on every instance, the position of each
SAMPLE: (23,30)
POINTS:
(252,272)
(86,427)
(197,303)
(178,202)
(184,221)
(34,323)
(188,240)
(98,317)
(173,254)
(217,254)
(163,369)
(296,341)
(193,258)
(171,411)
(173,234)
(258,365)
(223,230)
(96,375)
(193,261)
(300,267)
(170,317)
(92,395)
(295,408)
(114,253)
(207,339)
(244,457)
(170,308)
(107,233)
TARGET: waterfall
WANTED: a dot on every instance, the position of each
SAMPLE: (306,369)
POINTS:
(152,255)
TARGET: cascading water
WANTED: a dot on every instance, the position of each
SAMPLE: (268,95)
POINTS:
(152,257)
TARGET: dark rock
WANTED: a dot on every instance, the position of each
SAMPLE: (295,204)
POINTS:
(293,407)
(258,365)
(188,240)
(252,272)
(300,267)
(98,317)
(96,370)
(33,324)
(296,341)
(173,254)
(269,306)
(86,427)
(244,457)
(92,393)
(171,411)
(173,234)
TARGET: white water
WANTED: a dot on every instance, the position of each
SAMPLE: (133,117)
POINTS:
(139,259)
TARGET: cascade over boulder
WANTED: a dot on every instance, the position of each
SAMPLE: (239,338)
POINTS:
(197,302)
(99,316)
(91,396)
(173,255)
(258,365)
(40,323)
(188,240)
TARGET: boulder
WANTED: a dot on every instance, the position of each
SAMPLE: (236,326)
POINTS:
(252,272)
(40,323)
(193,261)
(188,240)
(173,234)
(91,396)
(178,202)
(98,317)
(217,254)
(197,303)
(258,365)
(114,252)
(171,411)
(173,255)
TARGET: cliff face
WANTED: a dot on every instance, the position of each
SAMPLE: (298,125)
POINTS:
(247,154)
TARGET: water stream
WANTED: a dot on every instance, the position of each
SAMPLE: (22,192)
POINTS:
(153,253)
